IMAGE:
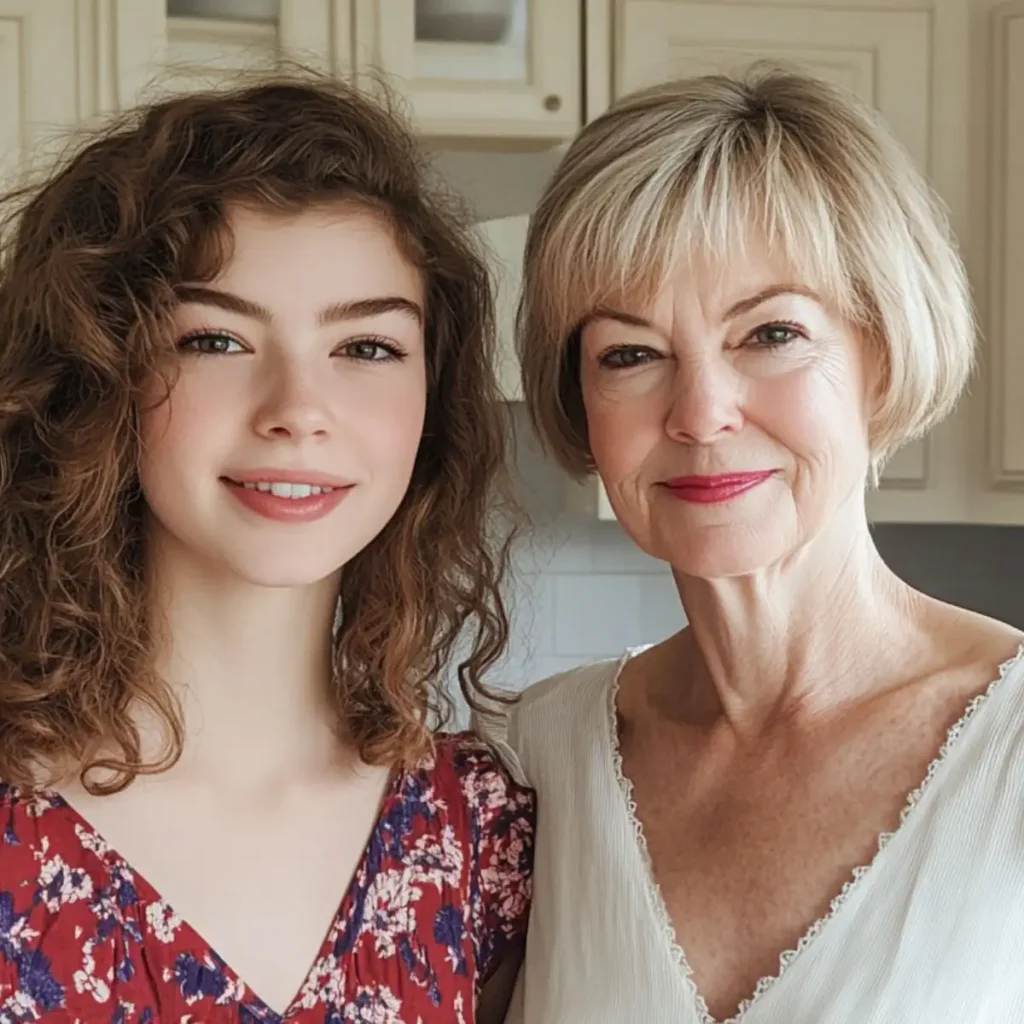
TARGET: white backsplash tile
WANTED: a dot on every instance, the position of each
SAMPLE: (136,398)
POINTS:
(661,614)
(596,613)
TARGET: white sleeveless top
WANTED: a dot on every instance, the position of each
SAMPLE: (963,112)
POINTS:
(931,932)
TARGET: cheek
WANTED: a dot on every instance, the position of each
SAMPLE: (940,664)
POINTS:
(387,421)
(191,408)
(818,409)
(182,430)
(625,420)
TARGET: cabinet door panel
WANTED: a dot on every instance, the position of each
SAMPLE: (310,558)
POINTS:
(1006,433)
(209,47)
(507,69)
(39,81)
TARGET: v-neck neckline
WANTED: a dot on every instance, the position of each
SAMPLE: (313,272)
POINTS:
(953,740)
(246,996)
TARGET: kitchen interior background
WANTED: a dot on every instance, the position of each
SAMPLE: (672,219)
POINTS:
(581,590)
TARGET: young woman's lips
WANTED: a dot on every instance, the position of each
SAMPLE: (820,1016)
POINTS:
(712,490)
(288,496)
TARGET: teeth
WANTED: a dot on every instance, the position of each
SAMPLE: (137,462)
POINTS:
(281,490)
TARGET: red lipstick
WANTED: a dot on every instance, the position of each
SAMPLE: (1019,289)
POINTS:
(713,490)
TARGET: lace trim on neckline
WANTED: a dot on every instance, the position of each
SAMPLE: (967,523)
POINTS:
(787,957)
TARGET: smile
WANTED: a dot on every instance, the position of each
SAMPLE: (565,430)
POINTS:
(285,490)
(713,490)
(285,501)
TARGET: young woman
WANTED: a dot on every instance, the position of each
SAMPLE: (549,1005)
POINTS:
(248,437)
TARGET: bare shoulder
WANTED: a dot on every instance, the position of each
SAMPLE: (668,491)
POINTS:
(969,649)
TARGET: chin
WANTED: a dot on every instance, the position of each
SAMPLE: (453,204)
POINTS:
(278,573)
(720,552)
(275,562)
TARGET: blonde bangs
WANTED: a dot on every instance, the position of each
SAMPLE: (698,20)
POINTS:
(627,242)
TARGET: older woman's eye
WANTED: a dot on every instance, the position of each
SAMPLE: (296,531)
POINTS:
(774,335)
(626,356)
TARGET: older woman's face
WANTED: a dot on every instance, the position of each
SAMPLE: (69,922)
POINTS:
(728,420)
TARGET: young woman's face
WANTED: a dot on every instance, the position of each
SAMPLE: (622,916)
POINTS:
(291,432)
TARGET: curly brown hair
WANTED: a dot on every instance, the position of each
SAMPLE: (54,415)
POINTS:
(92,261)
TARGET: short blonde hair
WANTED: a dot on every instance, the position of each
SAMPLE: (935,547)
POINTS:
(693,166)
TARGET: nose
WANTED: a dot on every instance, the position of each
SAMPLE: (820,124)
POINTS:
(706,401)
(293,405)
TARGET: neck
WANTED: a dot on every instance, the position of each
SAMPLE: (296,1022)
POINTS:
(251,667)
(795,638)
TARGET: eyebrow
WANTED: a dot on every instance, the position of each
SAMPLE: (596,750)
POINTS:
(751,302)
(337,312)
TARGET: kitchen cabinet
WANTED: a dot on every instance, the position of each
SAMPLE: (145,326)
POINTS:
(476,69)
(1006,250)
(508,69)
(210,42)
(62,64)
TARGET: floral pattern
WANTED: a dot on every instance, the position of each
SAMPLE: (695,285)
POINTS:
(443,887)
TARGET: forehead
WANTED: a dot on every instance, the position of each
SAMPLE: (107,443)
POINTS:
(721,286)
(332,252)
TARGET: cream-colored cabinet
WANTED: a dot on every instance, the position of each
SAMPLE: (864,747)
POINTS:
(485,69)
(209,42)
(63,63)
(948,75)
(478,69)
(1006,252)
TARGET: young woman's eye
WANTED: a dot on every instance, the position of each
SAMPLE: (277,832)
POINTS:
(623,357)
(372,350)
(777,334)
(210,343)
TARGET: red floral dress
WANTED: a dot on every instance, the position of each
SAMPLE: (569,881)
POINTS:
(442,888)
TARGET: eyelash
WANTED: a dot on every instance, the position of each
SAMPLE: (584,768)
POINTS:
(791,326)
(187,342)
(393,352)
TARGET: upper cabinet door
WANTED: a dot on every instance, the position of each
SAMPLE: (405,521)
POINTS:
(483,68)
(1006,199)
(62,63)
(882,55)
(211,41)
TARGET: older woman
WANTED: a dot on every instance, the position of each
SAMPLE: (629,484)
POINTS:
(808,805)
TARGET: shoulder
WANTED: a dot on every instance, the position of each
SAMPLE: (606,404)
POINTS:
(483,782)
(48,856)
(564,689)
(967,652)
(560,709)
(30,821)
